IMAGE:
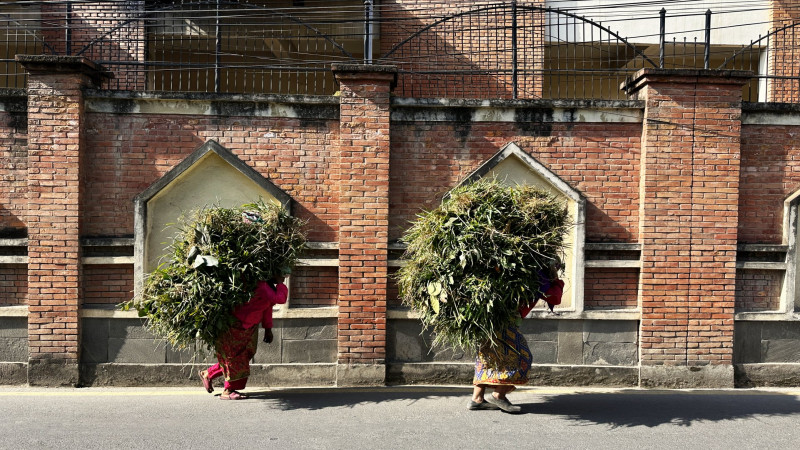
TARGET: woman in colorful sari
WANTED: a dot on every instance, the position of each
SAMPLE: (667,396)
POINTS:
(504,363)
(237,346)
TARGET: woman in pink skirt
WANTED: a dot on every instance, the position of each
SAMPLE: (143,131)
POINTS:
(236,347)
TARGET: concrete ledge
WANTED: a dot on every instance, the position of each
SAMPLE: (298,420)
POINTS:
(429,373)
(131,375)
(539,375)
(687,377)
(406,112)
(165,375)
(292,375)
(767,375)
(611,376)
(112,312)
(542,313)
(351,375)
(14,311)
(44,372)
(13,373)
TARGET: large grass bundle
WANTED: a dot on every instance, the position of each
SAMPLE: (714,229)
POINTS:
(471,261)
(212,266)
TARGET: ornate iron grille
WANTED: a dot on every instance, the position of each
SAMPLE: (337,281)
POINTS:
(507,50)
(512,51)
(193,46)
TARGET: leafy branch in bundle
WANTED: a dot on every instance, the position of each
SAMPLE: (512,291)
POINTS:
(475,258)
(214,265)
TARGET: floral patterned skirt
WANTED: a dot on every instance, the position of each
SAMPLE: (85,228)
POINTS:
(235,349)
(505,363)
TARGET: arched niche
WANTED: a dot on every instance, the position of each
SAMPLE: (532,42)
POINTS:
(210,176)
(789,301)
(514,167)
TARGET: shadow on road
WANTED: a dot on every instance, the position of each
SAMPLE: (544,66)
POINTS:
(320,398)
(654,408)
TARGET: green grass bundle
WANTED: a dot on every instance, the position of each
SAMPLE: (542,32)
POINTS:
(473,259)
(213,266)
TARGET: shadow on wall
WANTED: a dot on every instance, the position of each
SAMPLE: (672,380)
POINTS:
(11,226)
(612,230)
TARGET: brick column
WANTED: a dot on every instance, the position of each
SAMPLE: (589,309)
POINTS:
(688,224)
(363,168)
(55,129)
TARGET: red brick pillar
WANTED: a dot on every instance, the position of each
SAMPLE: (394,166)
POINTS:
(363,167)
(688,215)
(55,130)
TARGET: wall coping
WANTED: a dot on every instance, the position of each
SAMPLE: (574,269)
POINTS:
(519,103)
(607,314)
(112,312)
(206,96)
(202,104)
(364,68)
(14,311)
(49,64)
(447,110)
(683,76)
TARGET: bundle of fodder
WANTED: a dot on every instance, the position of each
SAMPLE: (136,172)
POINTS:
(212,266)
(474,259)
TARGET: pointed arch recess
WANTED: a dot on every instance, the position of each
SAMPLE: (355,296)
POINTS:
(509,166)
(211,175)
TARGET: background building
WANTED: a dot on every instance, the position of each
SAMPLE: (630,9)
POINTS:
(676,152)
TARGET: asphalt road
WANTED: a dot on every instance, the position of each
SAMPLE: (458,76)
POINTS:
(406,418)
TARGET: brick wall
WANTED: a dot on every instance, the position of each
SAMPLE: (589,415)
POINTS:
(758,290)
(599,160)
(611,288)
(314,286)
(357,186)
(770,173)
(107,283)
(128,153)
(13,284)
(14,161)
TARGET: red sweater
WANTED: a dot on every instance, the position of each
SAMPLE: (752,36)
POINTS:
(552,296)
(259,308)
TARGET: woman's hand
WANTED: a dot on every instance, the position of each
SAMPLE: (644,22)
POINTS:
(268,335)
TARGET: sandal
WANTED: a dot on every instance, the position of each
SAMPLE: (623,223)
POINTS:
(206,382)
(482,406)
(504,404)
(233,396)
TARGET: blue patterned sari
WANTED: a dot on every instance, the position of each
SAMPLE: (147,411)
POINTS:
(506,362)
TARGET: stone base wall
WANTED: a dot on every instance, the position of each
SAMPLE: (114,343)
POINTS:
(125,341)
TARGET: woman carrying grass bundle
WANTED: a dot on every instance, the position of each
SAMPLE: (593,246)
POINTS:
(474,264)
(504,363)
(238,345)
(206,294)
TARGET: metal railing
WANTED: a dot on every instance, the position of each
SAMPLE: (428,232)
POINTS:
(505,50)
